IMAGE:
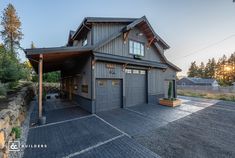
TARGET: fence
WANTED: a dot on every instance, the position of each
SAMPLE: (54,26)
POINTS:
(208,89)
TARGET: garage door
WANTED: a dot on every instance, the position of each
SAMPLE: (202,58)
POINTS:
(135,87)
(108,94)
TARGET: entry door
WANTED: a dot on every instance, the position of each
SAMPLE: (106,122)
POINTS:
(108,94)
(135,87)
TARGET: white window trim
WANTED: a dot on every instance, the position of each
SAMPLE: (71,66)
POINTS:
(138,47)
(84,41)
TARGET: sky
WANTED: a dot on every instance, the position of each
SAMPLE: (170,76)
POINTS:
(195,30)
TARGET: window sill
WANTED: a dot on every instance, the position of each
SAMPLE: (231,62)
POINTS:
(137,57)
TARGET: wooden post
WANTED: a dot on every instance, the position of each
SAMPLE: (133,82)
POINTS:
(40,66)
(70,88)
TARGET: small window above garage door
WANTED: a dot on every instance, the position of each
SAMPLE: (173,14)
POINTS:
(135,71)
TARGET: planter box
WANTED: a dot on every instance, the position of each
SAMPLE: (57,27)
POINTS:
(171,103)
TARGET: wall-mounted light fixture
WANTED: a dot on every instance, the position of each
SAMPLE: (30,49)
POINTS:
(139,34)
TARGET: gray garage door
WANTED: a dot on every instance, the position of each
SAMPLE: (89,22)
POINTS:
(135,87)
(108,94)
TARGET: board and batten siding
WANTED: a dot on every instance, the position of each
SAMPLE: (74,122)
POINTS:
(118,47)
(80,75)
(156,78)
(155,82)
(85,79)
(101,31)
(101,71)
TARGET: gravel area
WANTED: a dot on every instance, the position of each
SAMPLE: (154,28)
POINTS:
(24,131)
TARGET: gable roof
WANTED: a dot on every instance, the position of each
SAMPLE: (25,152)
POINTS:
(88,20)
(197,80)
(144,25)
(110,19)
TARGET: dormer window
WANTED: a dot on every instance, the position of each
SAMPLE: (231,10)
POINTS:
(136,48)
(84,41)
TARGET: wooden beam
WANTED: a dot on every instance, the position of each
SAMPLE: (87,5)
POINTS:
(70,88)
(40,91)
(150,42)
(125,36)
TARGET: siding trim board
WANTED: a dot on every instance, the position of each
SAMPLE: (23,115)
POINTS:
(127,60)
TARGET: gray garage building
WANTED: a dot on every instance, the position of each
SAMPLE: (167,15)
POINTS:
(109,63)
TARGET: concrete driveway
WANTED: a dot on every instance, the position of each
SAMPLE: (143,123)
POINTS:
(71,132)
(198,128)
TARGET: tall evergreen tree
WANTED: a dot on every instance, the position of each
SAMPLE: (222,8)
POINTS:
(193,70)
(201,70)
(231,64)
(11,33)
(210,68)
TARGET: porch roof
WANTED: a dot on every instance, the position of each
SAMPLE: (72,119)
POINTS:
(55,58)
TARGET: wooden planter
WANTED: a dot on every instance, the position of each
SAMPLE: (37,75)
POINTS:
(171,103)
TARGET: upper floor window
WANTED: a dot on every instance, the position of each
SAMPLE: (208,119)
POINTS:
(84,41)
(136,48)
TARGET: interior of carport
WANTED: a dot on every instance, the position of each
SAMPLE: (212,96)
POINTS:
(44,61)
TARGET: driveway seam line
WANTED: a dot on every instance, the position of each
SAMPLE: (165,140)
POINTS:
(60,108)
(94,146)
(145,116)
(59,122)
(112,126)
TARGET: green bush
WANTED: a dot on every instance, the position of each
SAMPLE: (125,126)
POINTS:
(12,85)
(170,90)
(17,132)
(51,76)
(3,90)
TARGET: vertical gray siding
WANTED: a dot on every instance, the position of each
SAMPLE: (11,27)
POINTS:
(157,87)
(101,71)
(155,82)
(117,47)
(102,31)
(85,79)
(81,75)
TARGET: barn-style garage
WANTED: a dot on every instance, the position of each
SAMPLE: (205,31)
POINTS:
(108,63)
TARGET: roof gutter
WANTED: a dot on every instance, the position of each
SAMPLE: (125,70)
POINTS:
(83,24)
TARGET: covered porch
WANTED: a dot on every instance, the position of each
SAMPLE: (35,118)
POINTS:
(60,106)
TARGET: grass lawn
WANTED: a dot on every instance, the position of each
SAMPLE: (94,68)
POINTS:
(208,95)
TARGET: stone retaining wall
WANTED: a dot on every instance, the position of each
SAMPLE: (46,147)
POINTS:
(13,116)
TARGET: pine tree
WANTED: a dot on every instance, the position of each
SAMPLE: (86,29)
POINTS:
(221,74)
(213,67)
(231,64)
(11,32)
(210,68)
(193,70)
(201,70)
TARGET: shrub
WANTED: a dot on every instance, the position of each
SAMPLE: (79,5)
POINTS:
(3,90)
(170,90)
(17,132)
(12,85)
